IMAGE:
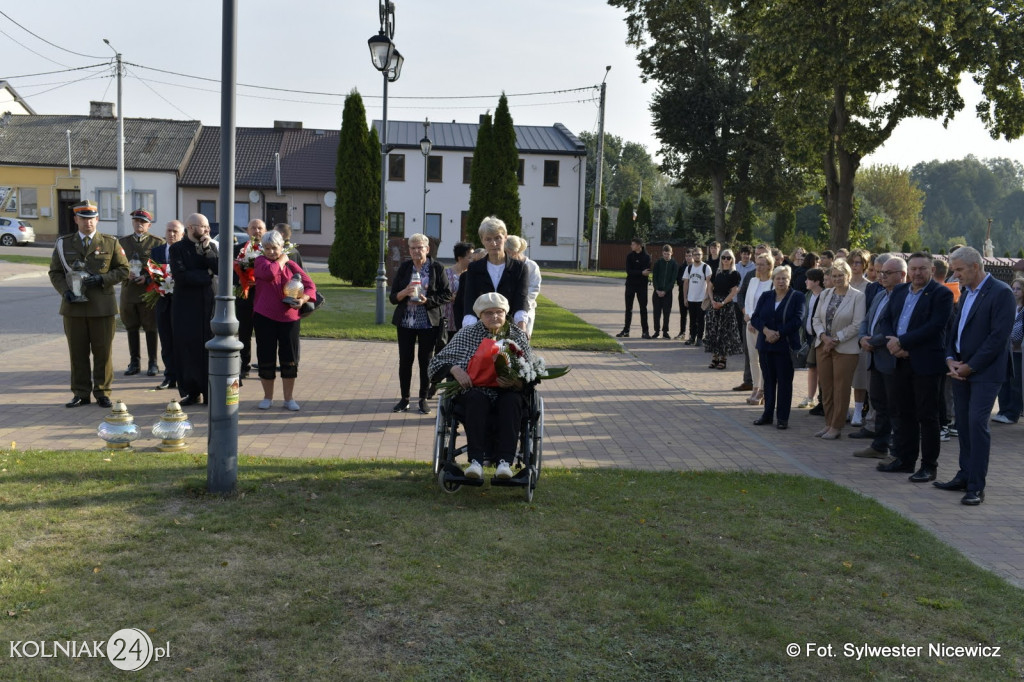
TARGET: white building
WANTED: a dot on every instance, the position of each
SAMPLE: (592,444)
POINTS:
(552,170)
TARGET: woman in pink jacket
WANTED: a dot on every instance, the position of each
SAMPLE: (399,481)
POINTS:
(276,323)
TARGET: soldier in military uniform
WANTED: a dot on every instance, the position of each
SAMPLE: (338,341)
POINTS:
(135,313)
(89,325)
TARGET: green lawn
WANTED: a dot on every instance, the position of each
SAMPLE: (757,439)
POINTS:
(367,570)
(29,260)
(612,274)
(350,313)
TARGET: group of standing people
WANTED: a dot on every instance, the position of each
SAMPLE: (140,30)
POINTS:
(87,265)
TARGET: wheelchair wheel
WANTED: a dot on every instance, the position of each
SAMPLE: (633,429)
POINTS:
(538,436)
(531,485)
(440,437)
(447,486)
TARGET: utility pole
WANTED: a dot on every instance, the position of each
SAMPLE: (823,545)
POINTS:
(595,232)
(121,228)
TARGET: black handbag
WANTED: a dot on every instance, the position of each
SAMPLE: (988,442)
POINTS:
(309,307)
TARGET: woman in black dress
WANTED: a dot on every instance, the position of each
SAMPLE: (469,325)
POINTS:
(721,333)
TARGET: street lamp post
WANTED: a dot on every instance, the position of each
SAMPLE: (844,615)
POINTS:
(425,146)
(388,60)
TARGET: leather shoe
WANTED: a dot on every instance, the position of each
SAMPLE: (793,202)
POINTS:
(870,452)
(624,334)
(77,401)
(923,475)
(153,368)
(424,407)
(818,410)
(167,383)
(645,335)
(760,421)
(743,387)
(862,433)
(401,406)
(896,467)
(189,400)
(133,368)
(104,402)
(973,498)
(782,426)
(956,484)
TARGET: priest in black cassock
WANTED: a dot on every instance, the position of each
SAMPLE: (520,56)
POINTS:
(193,265)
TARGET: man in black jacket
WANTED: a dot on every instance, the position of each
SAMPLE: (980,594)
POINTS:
(638,267)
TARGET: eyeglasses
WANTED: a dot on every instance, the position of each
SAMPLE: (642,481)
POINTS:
(889,272)
(726,257)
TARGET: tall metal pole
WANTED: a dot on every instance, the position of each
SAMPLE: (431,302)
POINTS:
(425,148)
(122,229)
(222,440)
(382,278)
(595,233)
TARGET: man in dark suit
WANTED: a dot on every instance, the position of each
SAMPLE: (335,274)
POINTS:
(89,324)
(977,352)
(135,312)
(161,254)
(891,271)
(638,267)
(193,264)
(914,324)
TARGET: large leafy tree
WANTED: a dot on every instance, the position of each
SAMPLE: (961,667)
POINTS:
(494,179)
(354,253)
(898,200)
(849,71)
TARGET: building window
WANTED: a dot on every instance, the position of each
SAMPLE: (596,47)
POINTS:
(107,201)
(551,174)
(144,199)
(396,224)
(435,169)
(521,172)
(549,231)
(209,209)
(396,167)
(242,214)
(467,169)
(27,206)
(311,218)
(434,226)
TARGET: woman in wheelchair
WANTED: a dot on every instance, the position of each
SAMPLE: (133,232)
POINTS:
(492,412)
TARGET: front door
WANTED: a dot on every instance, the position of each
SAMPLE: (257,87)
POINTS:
(276,213)
(66,198)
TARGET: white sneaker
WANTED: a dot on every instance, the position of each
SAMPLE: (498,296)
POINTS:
(291,405)
(265,404)
(857,419)
(1002,419)
(504,470)
(805,403)
(944,434)
(474,470)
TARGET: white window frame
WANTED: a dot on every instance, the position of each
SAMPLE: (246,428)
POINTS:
(145,199)
(106,201)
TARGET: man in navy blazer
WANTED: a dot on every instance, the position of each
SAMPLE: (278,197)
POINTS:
(914,325)
(976,354)
(161,254)
(890,272)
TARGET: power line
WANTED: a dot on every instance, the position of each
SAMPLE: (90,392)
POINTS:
(41,56)
(77,54)
(50,73)
(151,89)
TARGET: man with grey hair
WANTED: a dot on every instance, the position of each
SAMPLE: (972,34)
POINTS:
(890,271)
(977,353)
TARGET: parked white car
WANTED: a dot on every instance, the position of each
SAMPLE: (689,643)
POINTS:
(15,231)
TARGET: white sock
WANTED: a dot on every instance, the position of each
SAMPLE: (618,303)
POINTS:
(858,408)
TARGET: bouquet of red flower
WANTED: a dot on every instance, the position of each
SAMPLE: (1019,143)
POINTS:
(161,282)
(243,268)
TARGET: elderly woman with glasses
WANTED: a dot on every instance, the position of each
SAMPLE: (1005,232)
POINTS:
(417,316)
(490,404)
(837,343)
(721,332)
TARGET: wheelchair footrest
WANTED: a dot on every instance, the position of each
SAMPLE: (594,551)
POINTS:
(519,480)
(454,474)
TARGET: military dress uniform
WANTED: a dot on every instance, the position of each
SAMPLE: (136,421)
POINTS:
(89,326)
(135,312)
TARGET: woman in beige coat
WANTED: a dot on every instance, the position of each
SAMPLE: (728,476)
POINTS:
(836,324)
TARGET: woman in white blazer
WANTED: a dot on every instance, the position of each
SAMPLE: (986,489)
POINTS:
(836,324)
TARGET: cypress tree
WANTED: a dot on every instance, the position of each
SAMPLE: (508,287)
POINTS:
(480,178)
(644,220)
(356,212)
(505,168)
(624,223)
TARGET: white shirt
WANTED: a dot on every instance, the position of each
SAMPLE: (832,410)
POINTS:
(697,277)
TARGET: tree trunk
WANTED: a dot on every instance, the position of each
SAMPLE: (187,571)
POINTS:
(737,218)
(840,169)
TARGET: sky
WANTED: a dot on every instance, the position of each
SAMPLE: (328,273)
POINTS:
(462,55)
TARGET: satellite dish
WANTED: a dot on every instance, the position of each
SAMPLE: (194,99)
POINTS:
(254,197)
(329,199)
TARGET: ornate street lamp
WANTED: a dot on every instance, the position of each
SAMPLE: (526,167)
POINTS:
(425,146)
(388,60)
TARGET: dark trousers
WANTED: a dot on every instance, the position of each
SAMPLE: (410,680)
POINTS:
(662,311)
(696,321)
(163,327)
(498,420)
(638,290)
(777,373)
(880,402)
(682,312)
(973,401)
(89,343)
(276,343)
(243,311)
(914,410)
(407,340)
(1011,401)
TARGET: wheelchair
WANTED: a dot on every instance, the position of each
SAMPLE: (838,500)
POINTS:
(527,461)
